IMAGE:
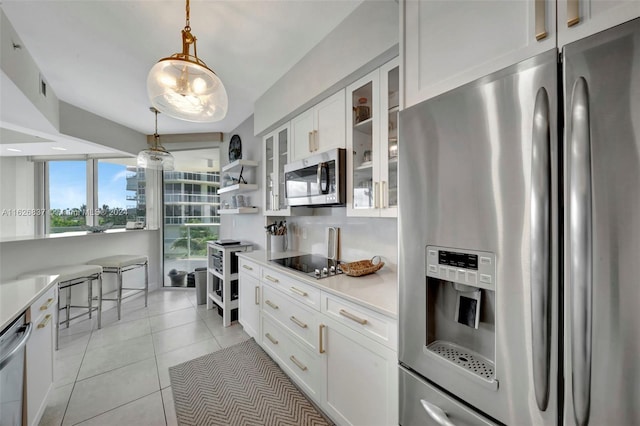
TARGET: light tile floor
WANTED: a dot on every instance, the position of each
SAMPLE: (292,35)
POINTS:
(119,375)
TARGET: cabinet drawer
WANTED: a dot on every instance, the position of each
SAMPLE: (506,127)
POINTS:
(250,268)
(302,292)
(305,367)
(45,304)
(417,396)
(363,320)
(294,317)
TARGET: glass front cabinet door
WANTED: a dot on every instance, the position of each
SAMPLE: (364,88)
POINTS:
(276,154)
(372,143)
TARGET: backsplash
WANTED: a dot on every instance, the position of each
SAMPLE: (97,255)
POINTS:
(360,238)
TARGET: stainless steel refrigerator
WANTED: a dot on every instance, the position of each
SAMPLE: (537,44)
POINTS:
(519,223)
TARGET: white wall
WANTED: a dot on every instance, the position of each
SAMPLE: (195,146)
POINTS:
(16,197)
(366,39)
(247,227)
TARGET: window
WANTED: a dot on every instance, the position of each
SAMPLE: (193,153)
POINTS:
(120,193)
(67,196)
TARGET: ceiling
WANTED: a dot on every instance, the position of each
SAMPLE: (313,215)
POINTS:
(95,54)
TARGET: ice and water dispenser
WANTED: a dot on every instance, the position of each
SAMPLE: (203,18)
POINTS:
(461,295)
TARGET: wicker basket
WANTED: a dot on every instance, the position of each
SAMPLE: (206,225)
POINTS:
(361,267)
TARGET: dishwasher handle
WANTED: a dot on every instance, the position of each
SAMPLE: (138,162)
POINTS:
(5,358)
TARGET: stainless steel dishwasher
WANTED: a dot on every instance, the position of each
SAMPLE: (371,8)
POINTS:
(13,340)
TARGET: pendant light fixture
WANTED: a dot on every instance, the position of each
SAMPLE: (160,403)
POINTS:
(183,87)
(156,157)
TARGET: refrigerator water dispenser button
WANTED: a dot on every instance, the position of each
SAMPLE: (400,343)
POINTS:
(485,261)
(462,275)
(484,278)
(472,277)
(433,268)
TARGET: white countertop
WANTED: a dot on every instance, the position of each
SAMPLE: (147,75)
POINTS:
(16,296)
(377,291)
(71,234)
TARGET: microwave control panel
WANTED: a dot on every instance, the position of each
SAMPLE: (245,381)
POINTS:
(469,267)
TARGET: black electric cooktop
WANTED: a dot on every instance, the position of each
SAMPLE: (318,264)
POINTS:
(311,264)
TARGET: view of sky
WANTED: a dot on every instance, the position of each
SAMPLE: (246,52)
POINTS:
(68,184)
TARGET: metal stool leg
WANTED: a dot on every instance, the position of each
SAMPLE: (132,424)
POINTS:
(119,297)
(68,290)
(90,292)
(100,301)
(146,283)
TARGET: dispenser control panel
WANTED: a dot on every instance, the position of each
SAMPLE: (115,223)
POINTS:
(469,267)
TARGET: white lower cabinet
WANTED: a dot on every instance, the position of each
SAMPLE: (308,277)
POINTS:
(40,347)
(249,304)
(362,378)
(340,353)
(306,368)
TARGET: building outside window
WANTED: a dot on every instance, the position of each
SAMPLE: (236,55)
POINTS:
(191,219)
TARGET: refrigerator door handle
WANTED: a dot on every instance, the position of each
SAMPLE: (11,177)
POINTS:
(540,248)
(580,249)
(436,413)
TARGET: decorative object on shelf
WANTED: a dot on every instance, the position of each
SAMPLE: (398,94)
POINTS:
(362,267)
(235,148)
(235,153)
(363,112)
(98,228)
(184,87)
(156,157)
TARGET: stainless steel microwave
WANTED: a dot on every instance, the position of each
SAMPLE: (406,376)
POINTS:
(318,180)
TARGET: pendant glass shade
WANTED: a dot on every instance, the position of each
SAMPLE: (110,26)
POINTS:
(187,91)
(155,158)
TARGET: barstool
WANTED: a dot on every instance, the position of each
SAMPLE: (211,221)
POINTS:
(119,264)
(69,276)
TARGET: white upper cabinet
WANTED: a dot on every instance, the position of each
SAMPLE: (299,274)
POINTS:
(372,143)
(276,155)
(449,43)
(320,128)
(581,18)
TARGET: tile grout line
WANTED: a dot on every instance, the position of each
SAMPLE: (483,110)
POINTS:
(119,406)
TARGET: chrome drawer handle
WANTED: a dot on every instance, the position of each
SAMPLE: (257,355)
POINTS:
(248,268)
(44,323)
(257,295)
(46,305)
(268,336)
(298,291)
(297,322)
(270,278)
(270,303)
(300,365)
(352,317)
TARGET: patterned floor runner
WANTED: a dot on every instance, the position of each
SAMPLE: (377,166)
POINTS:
(239,386)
